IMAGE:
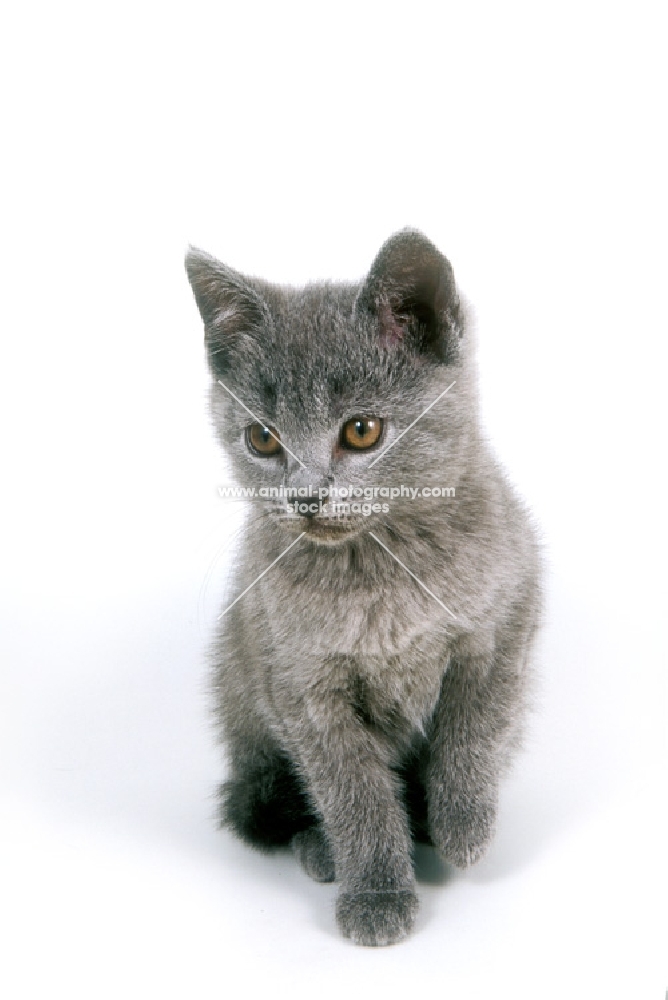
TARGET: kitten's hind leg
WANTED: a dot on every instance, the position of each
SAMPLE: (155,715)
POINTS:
(312,850)
(264,802)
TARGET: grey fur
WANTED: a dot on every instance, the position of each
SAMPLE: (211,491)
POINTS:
(357,712)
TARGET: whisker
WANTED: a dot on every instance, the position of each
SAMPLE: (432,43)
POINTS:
(228,542)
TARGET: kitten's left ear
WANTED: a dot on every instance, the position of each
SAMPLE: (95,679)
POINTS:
(230,308)
(411,291)
(224,298)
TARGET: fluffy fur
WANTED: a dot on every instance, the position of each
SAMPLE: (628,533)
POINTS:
(358,713)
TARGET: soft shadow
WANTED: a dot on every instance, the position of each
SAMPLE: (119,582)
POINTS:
(429,866)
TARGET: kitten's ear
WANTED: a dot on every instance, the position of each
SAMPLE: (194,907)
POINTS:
(228,305)
(411,290)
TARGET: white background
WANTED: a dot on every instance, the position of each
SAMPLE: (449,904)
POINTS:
(528,142)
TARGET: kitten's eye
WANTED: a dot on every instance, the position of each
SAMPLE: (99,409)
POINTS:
(361,432)
(263,440)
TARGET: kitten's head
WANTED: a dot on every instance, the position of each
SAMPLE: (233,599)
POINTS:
(311,386)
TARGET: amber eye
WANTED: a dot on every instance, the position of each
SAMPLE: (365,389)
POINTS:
(263,440)
(361,432)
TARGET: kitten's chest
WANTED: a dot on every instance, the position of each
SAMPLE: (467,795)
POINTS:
(362,623)
(385,653)
(398,696)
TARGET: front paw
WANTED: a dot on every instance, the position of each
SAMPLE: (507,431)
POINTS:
(312,850)
(376,917)
(462,831)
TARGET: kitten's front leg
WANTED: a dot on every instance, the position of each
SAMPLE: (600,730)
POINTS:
(364,822)
(473,728)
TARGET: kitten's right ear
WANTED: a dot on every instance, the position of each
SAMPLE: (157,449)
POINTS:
(411,292)
(227,304)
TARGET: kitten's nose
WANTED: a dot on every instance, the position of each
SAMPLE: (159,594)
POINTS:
(309,506)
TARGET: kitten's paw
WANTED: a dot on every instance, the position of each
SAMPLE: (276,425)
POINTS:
(463,833)
(312,850)
(376,917)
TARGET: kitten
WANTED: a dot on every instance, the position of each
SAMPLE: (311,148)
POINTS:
(370,685)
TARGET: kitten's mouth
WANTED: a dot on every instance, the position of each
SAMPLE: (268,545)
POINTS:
(331,531)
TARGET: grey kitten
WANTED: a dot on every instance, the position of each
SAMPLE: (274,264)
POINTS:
(370,685)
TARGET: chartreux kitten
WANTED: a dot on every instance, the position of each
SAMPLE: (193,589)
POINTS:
(370,684)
